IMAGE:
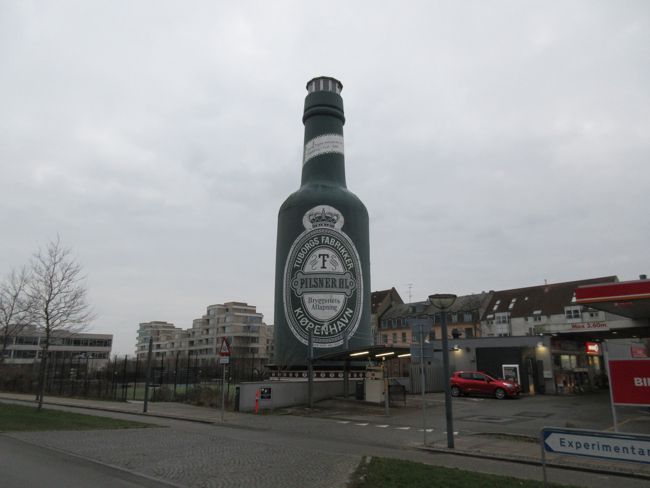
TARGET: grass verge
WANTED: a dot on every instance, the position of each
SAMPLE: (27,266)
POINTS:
(16,418)
(394,473)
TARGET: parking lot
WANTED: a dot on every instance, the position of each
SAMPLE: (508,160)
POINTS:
(524,416)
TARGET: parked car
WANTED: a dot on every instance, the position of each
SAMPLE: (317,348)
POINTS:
(479,383)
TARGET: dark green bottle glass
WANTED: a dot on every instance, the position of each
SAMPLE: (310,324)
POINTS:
(322,272)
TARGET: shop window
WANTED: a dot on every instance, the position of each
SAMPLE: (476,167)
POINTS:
(568,361)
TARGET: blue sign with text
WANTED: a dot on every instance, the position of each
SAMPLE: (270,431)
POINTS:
(593,443)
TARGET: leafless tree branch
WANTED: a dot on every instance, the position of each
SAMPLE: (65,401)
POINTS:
(57,291)
(15,307)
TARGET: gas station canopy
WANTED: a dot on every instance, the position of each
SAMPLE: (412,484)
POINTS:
(627,298)
(375,353)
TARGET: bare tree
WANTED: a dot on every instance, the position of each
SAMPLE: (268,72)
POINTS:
(15,308)
(58,293)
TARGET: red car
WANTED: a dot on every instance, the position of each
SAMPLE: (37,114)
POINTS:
(478,383)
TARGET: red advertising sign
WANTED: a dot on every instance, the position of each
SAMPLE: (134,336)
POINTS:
(592,348)
(630,381)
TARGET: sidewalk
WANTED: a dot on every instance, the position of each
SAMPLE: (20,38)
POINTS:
(504,447)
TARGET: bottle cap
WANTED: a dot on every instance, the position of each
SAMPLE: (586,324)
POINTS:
(324,83)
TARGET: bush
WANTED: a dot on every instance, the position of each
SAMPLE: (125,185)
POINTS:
(162,394)
(203,396)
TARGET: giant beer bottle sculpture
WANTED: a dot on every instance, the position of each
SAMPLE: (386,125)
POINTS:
(322,272)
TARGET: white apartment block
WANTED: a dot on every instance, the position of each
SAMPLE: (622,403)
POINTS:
(249,337)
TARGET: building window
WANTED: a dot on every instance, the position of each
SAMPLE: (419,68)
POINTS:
(404,337)
(502,318)
(394,337)
(573,313)
(384,338)
(27,341)
(469,332)
(595,314)
(503,324)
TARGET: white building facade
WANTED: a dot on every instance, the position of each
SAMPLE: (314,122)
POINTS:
(239,323)
(26,347)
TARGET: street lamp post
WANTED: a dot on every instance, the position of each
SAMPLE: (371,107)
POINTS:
(443,301)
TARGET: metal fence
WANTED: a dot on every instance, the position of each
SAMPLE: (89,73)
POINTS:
(182,379)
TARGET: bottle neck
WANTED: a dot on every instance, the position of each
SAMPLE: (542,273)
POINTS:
(323,157)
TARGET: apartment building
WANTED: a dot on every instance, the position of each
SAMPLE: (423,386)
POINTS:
(576,331)
(244,328)
(463,319)
(381,302)
(166,339)
(548,309)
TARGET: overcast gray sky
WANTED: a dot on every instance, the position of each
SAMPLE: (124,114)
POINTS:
(495,144)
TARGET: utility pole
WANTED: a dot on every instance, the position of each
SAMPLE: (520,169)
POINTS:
(423,383)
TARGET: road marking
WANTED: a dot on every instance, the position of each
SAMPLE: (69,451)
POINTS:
(402,428)
(361,424)
(383,426)
(343,421)
(428,430)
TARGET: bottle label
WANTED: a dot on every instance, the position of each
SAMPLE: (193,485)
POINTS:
(327,143)
(323,284)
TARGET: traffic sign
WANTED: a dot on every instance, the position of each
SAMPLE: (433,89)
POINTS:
(597,444)
(224,360)
(224,350)
(420,327)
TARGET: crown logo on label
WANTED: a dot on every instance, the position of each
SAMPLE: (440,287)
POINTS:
(323,219)
(323,216)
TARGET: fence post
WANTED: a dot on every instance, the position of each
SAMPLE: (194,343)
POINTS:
(124,383)
(148,374)
(176,373)
(135,374)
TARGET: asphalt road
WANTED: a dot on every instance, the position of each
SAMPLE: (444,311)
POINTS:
(319,449)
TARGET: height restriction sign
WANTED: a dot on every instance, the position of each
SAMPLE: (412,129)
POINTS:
(224,350)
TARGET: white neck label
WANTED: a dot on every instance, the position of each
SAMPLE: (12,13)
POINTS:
(327,143)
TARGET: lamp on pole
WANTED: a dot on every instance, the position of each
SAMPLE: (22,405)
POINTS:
(442,301)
